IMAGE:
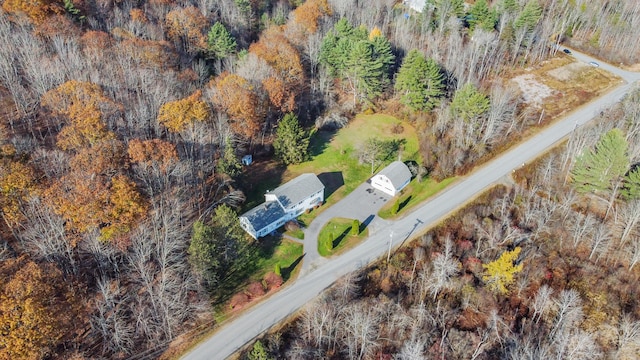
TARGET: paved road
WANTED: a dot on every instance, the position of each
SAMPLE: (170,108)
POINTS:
(261,317)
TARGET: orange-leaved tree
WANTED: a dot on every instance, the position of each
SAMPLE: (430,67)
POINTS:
(276,50)
(36,10)
(85,106)
(154,151)
(236,96)
(126,207)
(308,14)
(37,309)
(105,158)
(88,202)
(177,115)
(186,26)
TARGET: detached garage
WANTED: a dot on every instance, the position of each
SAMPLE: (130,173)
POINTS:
(392,179)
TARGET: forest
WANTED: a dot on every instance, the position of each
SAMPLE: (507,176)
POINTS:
(122,128)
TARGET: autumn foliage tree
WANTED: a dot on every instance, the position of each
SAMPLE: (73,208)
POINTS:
(177,115)
(276,50)
(154,151)
(36,10)
(309,13)
(186,26)
(86,108)
(37,308)
(17,184)
(499,274)
(236,96)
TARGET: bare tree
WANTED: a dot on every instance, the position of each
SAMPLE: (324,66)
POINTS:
(634,251)
(583,227)
(359,329)
(542,302)
(111,319)
(628,344)
(444,267)
(600,241)
(44,236)
(629,220)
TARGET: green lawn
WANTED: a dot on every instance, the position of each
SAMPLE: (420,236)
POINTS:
(334,155)
(298,234)
(414,194)
(275,250)
(339,230)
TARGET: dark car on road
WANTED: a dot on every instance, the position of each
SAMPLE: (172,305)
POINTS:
(566,51)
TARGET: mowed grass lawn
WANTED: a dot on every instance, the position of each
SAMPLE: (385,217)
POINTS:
(334,155)
(335,237)
(274,250)
(414,194)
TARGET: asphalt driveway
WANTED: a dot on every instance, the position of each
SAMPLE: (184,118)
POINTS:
(363,204)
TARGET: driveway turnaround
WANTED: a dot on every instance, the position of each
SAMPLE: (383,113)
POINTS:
(363,204)
(233,335)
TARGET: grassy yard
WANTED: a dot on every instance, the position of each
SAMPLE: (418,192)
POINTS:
(298,234)
(338,230)
(334,155)
(414,194)
(276,250)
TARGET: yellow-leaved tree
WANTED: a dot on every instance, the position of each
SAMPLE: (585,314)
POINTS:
(499,274)
(37,309)
(177,115)
(17,184)
(85,107)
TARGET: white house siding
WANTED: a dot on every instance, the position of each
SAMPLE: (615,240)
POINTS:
(307,203)
(246,225)
(283,204)
(382,183)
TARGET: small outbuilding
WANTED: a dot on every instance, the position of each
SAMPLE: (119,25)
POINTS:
(392,179)
(247,160)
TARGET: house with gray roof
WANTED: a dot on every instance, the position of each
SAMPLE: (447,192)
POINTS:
(392,179)
(282,204)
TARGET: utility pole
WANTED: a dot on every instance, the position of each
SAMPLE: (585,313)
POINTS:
(390,242)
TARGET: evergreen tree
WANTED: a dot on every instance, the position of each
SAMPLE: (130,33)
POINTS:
(420,82)
(355,227)
(469,103)
(228,163)
(292,142)
(336,46)
(602,169)
(382,53)
(396,207)
(529,16)
(361,60)
(258,352)
(277,269)
(363,73)
(444,9)
(220,43)
(330,242)
(508,7)
(481,15)
(631,189)
(218,248)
